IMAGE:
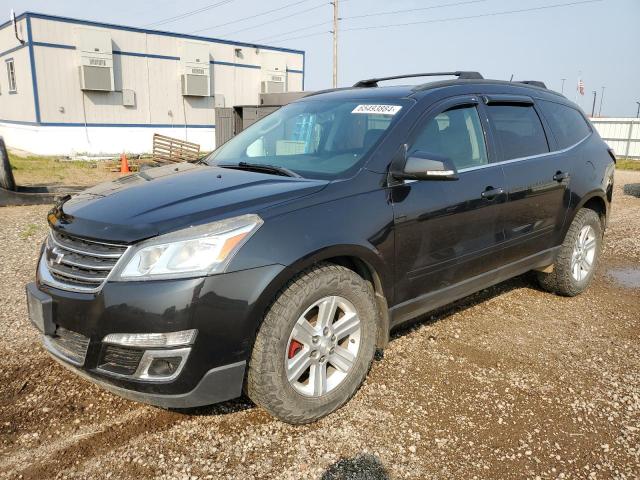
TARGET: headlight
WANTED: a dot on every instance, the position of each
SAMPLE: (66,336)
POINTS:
(194,251)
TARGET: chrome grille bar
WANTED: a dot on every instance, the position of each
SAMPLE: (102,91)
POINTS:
(87,247)
(79,264)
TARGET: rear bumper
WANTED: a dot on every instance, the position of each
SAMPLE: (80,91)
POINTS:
(224,309)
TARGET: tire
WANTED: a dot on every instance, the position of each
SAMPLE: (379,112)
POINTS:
(268,384)
(562,280)
(6,175)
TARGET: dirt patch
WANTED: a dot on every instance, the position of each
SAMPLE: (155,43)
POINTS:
(510,382)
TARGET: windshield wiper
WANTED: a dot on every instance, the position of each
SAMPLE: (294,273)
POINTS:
(259,167)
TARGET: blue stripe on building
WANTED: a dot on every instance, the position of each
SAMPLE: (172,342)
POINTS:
(11,50)
(156,32)
(115,125)
(34,78)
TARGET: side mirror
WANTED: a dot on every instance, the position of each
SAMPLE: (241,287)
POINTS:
(424,166)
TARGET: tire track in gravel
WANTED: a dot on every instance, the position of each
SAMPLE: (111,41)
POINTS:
(51,458)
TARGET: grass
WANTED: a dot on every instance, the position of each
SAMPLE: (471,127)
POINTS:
(627,164)
(29,231)
(36,169)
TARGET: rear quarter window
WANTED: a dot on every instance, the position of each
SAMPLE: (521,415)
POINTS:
(519,130)
(568,124)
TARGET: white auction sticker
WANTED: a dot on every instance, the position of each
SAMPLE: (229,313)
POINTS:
(379,109)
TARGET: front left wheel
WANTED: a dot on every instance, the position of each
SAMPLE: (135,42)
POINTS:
(315,346)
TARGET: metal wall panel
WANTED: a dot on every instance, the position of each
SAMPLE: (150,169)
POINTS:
(148,64)
(621,134)
(19,106)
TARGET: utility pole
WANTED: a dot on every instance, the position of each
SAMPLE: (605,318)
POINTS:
(335,43)
(593,107)
(562,88)
(601,97)
(638,113)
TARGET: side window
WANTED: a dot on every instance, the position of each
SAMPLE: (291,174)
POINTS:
(567,124)
(456,134)
(518,130)
(11,74)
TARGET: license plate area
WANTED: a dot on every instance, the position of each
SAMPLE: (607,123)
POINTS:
(40,306)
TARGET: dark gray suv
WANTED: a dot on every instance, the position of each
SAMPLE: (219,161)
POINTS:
(279,263)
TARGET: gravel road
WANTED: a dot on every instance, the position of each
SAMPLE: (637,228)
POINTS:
(511,382)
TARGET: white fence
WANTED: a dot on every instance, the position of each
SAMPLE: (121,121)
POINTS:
(621,134)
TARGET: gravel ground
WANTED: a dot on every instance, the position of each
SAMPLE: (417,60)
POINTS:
(511,382)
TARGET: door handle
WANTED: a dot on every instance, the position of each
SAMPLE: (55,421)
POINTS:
(560,176)
(490,193)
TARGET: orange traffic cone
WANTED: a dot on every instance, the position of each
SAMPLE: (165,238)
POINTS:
(124,164)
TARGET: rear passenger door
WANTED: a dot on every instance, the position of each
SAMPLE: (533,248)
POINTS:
(449,231)
(536,178)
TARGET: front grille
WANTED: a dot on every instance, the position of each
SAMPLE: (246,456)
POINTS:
(120,360)
(70,345)
(78,263)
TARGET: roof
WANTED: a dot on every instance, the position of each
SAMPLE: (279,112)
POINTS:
(415,91)
(112,26)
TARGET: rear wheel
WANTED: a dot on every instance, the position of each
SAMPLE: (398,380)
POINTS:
(315,345)
(578,256)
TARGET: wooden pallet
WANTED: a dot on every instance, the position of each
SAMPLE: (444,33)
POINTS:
(172,150)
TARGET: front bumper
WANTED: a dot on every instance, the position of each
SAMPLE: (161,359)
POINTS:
(225,310)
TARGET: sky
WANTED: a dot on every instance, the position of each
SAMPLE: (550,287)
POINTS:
(596,40)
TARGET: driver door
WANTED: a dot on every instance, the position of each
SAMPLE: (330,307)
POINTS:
(448,231)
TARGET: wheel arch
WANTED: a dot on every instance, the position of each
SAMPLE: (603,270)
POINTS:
(596,201)
(361,260)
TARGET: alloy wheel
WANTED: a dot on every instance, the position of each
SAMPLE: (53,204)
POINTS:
(323,346)
(584,253)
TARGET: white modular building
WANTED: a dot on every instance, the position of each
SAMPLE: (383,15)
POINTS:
(73,86)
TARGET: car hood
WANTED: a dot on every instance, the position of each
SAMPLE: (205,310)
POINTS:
(164,199)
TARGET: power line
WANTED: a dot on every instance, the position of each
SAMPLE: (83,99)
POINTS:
(432,7)
(306,27)
(293,4)
(187,14)
(322,5)
(302,36)
(492,14)
(442,20)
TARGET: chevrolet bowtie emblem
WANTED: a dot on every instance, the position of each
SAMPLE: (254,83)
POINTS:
(58,257)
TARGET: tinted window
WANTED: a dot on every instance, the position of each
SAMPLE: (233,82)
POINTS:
(455,134)
(567,124)
(518,130)
(315,138)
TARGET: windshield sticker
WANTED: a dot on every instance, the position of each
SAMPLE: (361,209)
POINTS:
(379,109)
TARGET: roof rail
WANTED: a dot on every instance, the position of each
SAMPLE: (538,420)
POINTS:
(533,83)
(373,82)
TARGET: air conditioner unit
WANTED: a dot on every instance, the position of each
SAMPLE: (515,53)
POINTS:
(274,80)
(196,70)
(96,59)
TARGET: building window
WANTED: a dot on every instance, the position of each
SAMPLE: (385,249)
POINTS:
(11,73)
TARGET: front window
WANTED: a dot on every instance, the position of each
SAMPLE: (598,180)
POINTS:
(455,134)
(313,138)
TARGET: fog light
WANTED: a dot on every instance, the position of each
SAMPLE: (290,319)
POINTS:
(152,340)
(164,367)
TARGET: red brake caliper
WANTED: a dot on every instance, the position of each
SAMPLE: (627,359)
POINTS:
(294,347)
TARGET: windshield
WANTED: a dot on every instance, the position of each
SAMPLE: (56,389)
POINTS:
(313,138)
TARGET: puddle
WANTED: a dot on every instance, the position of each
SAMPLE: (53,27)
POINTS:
(627,277)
